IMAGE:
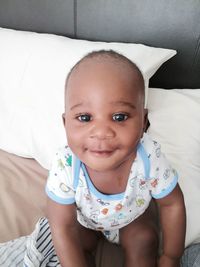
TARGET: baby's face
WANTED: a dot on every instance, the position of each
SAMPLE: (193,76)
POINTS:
(104,114)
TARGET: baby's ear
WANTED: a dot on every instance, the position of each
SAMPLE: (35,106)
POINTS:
(63,118)
(146,121)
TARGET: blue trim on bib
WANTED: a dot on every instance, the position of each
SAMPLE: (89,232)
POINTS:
(145,159)
(97,193)
(77,166)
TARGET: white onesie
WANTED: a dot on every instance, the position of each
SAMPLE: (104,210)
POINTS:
(151,176)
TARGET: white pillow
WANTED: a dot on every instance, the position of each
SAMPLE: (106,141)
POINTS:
(174,117)
(33,69)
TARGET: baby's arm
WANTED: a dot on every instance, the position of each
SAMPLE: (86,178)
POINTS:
(63,224)
(173,223)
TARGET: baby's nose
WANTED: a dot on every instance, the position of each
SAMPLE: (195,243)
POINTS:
(102,131)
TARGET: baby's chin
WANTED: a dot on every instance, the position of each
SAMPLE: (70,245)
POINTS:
(102,165)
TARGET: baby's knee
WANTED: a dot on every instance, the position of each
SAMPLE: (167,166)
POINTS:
(148,237)
(143,238)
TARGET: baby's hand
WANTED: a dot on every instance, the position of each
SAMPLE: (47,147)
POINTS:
(166,261)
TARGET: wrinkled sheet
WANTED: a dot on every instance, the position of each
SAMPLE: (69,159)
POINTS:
(22,196)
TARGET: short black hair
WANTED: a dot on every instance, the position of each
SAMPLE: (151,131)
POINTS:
(107,54)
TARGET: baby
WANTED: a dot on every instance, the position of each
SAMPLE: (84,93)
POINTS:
(108,178)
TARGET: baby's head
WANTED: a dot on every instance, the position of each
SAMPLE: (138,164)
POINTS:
(111,57)
(104,109)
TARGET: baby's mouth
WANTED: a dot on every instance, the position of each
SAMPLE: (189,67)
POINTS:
(101,153)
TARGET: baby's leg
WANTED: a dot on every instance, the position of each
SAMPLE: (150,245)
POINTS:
(89,240)
(139,240)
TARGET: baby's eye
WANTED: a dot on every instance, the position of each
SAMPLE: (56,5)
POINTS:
(84,118)
(120,117)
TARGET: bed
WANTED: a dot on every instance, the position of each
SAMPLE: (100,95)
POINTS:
(39,43)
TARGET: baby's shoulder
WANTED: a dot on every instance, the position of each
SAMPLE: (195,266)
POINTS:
(150,146)
(64,156)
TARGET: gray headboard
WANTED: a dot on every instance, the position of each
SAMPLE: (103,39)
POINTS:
(170,24)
